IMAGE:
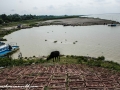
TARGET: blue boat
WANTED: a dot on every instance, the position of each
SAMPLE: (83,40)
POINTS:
(6,49)
(112,25)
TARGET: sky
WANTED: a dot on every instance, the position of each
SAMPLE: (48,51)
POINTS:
(59,7)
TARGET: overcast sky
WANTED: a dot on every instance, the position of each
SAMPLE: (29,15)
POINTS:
(59,7)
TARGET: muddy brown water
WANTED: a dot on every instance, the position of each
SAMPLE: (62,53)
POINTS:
(96,40)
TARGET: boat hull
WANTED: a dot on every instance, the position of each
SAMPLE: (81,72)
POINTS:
(8,52)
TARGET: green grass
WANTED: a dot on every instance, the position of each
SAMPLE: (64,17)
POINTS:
(64,60)
(68,60)
(98,62)
(20,22)
(6,32)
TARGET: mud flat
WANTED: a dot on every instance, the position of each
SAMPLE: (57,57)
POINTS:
(82,21)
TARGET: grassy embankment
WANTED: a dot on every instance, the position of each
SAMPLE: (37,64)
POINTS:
(92,62)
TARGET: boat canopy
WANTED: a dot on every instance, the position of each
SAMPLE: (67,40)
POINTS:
(4,47)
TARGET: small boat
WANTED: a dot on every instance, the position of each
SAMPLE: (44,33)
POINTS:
(6,49)
(112,25)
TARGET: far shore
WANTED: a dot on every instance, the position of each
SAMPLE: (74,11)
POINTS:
(81,21)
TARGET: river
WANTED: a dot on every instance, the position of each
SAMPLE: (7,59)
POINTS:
(96,40)
(108,16)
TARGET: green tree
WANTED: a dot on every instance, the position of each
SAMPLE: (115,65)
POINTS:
(4,17)
(16,17)
(1,21)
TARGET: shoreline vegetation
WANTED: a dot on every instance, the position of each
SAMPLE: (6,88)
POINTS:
(15,22)
(7,62)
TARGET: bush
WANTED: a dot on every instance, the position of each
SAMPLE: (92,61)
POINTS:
(80,61)
(39,61)
(101,58)
(34,56)
(17,62)
(72,56)
(67,56)
(84,59)
(30,61)
(26,58)
(111,65)
(4,62)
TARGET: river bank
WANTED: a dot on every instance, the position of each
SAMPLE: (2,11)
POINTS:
(64,59)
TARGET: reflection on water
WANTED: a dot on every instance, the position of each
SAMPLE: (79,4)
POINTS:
(89,41)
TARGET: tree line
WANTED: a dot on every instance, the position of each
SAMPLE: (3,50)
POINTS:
(16,17)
